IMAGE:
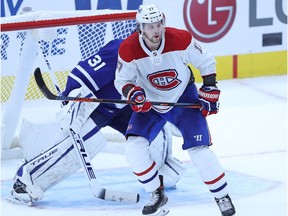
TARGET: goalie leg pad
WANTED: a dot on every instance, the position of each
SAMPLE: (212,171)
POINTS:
(172,171)
(161,146)
(60,161)
(170,167)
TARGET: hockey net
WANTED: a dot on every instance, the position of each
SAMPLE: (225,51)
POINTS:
(55,42)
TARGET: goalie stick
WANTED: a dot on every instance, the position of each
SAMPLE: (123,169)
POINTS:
(97,190)
(48,94)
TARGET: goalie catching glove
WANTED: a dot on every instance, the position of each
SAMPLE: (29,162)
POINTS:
(209,96)
(75,114)
(137,94)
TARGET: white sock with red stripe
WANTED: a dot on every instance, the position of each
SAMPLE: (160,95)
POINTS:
(138,156)
(210,170)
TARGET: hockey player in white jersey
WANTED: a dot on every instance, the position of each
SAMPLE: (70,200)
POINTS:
(153,66)
(93,77)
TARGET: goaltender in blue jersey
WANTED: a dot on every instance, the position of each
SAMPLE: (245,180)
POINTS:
(98,74)
(92,77)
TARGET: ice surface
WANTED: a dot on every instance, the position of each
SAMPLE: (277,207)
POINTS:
(250,138)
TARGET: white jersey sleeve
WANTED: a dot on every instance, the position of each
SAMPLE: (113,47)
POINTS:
(126,73)
(200,58)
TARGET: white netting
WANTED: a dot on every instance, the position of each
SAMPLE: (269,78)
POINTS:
(58,50)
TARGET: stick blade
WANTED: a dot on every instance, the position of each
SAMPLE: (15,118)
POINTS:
(121,196)
(38,77)
(42,86)
(111,195)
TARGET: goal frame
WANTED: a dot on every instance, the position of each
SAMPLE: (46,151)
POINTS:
(10,121)
(66,21)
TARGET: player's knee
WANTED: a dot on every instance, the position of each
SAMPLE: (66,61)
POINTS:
(202,155)
(136,148)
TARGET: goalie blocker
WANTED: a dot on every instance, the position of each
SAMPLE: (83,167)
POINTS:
(39,174)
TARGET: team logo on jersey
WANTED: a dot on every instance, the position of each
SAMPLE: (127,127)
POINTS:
(164,80)
(209,20)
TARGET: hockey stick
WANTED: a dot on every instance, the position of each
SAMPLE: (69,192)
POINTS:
(50,68)
(97,190)
(48,94)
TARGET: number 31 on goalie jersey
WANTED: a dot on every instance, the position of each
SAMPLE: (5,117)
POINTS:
(96,63)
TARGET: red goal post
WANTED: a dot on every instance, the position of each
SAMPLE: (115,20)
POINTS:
(55,42)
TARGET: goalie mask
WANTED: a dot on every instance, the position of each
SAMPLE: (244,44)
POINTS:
(149,14)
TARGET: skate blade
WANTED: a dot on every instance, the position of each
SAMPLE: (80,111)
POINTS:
(16,201)
(161,211)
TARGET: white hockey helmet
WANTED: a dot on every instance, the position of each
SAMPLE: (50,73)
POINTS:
(149,13)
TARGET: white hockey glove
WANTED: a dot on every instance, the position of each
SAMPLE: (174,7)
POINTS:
(75,114)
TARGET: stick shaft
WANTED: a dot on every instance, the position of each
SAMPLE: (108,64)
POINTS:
(48,94)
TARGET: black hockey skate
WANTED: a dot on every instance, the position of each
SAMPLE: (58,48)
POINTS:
(19,187)
(226,206)
(19,194)
(24,190)
(157,205)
